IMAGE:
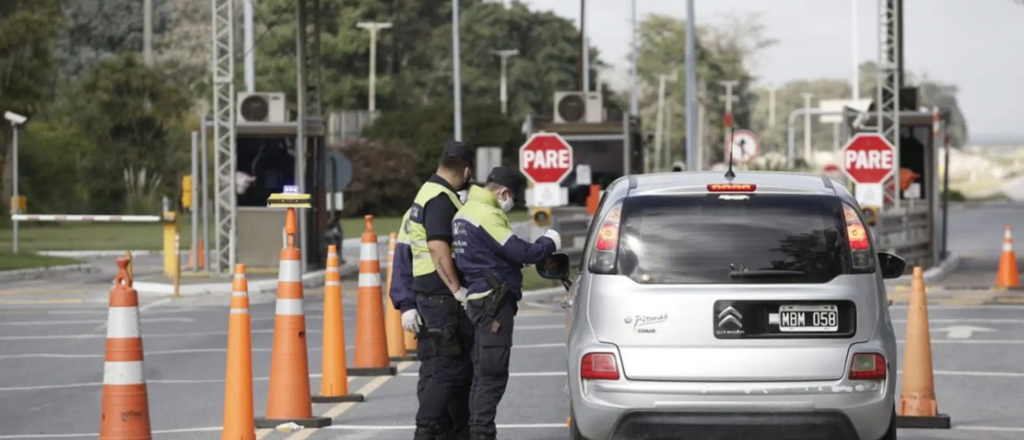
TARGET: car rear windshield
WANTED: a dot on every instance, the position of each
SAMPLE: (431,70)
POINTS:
(733,239)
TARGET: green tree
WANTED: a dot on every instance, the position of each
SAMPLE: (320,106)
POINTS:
(133,117)
(27,30)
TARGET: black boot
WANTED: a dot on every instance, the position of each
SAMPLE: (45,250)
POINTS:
(427,433)
(460,434)
(482,436)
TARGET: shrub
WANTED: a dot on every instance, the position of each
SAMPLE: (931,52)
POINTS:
(384,180)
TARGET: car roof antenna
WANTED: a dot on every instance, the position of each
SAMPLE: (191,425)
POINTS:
(729,175)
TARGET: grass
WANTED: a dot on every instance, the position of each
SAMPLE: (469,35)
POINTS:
(149,236)
(27,260)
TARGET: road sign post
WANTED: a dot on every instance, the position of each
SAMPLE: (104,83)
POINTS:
(546,159)
(745,146)
(869,160)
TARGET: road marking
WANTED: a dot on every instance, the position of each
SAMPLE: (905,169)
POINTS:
(94,321)
(974,341)
(958,307)
(531,346)
(963,331)
(540,327)
(405,427)
(524,374)
(144,335)
(42,292)
(95,434)
(974,373)
(970,320)
(147,353)
(16,302)
(340,408)
(148,382)
(990,428)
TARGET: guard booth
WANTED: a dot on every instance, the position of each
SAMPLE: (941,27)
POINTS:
(914,229)
(610,149)
(265,158)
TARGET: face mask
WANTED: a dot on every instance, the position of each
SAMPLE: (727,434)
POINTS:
(463,195)
(506,203)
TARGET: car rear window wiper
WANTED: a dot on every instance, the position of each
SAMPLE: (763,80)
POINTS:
(764,273)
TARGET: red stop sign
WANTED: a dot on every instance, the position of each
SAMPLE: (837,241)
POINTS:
(545,158)
(869,158)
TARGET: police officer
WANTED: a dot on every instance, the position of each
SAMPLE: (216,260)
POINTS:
(485,245)
(445,334)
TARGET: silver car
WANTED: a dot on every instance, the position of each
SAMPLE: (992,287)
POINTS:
(717,308)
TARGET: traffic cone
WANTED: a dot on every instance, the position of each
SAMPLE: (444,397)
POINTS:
(202,256)
(288,398)
(125,410)
(334,377)
(392,316)
(1007,276)
(238,402)
(917,407)
(371,357)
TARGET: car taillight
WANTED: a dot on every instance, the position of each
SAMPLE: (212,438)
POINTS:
(860,245)
(868,366)
(606,244)
(599,366)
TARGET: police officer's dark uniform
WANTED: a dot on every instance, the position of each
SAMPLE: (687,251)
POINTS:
(446,335)
(486,245)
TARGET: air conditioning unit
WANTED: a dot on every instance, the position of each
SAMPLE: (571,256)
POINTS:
(578,108)
(261,107)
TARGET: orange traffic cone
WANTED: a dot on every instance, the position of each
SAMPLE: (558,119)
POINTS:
(371,357)
(288,399)
(238,403)
(334,378)
(125,413)
(917,407)
(202,256)
(392,316)
(1007,276)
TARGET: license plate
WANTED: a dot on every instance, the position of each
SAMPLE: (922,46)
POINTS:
(808,318)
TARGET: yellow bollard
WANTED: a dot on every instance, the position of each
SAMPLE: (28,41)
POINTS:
(170,222)
(128,256)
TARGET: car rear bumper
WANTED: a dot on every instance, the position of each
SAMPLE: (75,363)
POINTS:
(814,410)
(815,425)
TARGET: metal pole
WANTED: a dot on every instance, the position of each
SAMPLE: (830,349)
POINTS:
(249,44)
(728,111)
(791,129)
(667,140)
(807,126)
(300,137)
(771,107)
(457,68)
(634,106)
(147,32)
(659,125)
(206,196)
(945,196)
(692,141)
(504,86)
(855,80)
(195,199)
(626,150)
(584,65)
(373,70)
(16,205)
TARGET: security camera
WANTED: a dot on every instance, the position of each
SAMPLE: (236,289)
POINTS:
(15,118)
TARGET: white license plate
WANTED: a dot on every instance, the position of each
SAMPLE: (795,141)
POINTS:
(809,318)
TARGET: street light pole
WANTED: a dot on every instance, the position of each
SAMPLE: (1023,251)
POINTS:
(16,203)
(374,28)
(692,141)
(505,54)
(457,71)
(807,126)
(659,136)
(727,119)
(634,106)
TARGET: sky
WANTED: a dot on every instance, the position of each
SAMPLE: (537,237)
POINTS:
(978,45)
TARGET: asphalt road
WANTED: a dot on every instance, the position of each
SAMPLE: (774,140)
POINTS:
(51,361)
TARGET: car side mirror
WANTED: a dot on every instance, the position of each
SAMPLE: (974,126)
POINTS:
(892,265)
(555,267)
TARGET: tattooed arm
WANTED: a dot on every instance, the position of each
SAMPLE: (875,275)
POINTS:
(441,254)
(438,215)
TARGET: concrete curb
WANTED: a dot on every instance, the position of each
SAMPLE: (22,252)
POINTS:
(309,280)
(936,273)
(36,273)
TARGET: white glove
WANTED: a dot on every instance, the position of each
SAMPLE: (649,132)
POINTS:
(555,237)
(411,321)
(461,295)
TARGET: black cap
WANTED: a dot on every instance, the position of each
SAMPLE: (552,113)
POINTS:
(459,150)
(508,178)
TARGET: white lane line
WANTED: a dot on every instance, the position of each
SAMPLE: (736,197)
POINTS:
(148,382)
(94,321)
(410,427)
(975,373)
(142,309)
(95,434)
(540,327)
(969,320)
(960,307)
(340,408)
(974,341)
(147,353)
(144,335)
(524,374)
(534,346)
(989,428)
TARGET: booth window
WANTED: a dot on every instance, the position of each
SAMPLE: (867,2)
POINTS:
(270,161)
